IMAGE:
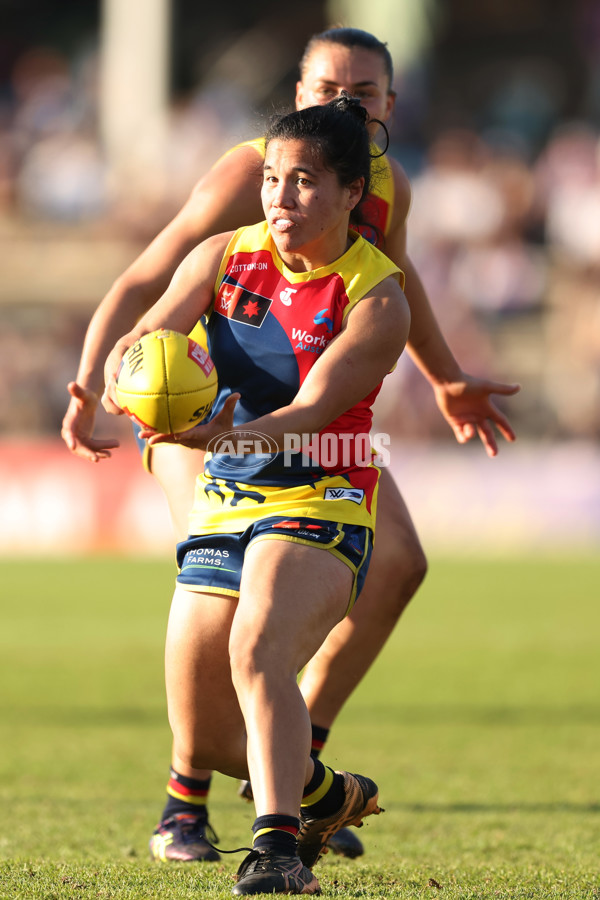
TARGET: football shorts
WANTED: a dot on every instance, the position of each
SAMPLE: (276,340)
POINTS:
(212,563)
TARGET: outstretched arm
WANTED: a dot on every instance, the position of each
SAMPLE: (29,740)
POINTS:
(464,400)
(224,199)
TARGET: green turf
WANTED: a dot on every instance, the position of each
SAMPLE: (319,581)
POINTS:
(480,722)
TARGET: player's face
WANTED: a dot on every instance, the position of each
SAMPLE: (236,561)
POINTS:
(332,68)
(305,205)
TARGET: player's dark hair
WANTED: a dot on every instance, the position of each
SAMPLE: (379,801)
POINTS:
(338,130)
(350,37)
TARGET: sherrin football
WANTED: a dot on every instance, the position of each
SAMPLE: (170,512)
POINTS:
(167,382)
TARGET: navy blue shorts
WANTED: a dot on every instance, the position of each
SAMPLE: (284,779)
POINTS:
(212,563)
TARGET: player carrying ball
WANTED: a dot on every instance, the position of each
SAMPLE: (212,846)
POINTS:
(295,539)
(226,198)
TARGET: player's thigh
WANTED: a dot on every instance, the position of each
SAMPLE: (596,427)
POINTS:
(197,671)
(397,543)
(291,596)
(176,469)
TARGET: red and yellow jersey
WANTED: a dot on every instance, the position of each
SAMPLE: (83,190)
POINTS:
(266,329)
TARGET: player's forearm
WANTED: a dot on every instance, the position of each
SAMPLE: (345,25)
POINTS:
(281,424)
(118,312)
(426,344)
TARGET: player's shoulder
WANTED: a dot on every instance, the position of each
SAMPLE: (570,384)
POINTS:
(211,250)
(238,164)
(252,148)
(389,300)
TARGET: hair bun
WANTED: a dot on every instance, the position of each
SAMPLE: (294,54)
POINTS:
(347,103)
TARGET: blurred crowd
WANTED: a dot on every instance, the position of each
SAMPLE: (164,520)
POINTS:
(509,250)
(507,242)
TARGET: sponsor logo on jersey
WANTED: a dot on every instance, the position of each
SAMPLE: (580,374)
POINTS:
(314,343)
(249,267)
(353,494)
(286,296)
(322,319)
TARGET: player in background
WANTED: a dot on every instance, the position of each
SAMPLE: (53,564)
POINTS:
(293,530)
(225,198)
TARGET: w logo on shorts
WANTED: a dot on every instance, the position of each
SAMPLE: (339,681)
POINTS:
(353,494)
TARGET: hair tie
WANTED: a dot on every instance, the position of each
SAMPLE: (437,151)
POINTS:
(387,139)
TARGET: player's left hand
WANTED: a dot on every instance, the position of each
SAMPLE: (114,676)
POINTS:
(467,406)
(78,426)
(198,438)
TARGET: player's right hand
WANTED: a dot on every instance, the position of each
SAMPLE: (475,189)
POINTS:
(198,438)
(78,426)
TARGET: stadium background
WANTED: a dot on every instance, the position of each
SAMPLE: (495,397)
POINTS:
(110,112)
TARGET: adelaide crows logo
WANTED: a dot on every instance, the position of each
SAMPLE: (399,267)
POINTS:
(234,302)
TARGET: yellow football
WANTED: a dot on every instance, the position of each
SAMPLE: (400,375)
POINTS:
(167,382)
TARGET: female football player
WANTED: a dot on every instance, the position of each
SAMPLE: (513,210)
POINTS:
(279,542)
(226,198)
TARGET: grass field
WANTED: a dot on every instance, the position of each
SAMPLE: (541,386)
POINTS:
(480,722)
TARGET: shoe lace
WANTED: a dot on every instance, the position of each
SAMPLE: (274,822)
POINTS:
(258,861)
(196,827)
(254,857)
(192,827)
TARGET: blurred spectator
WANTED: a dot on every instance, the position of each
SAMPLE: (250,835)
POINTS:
(63,178)
(453,201)
(568,174)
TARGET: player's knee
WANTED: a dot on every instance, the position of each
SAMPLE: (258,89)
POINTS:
(414,570)
(244,659)
(189,752)
(403,553)
(252,657)
(203,748)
